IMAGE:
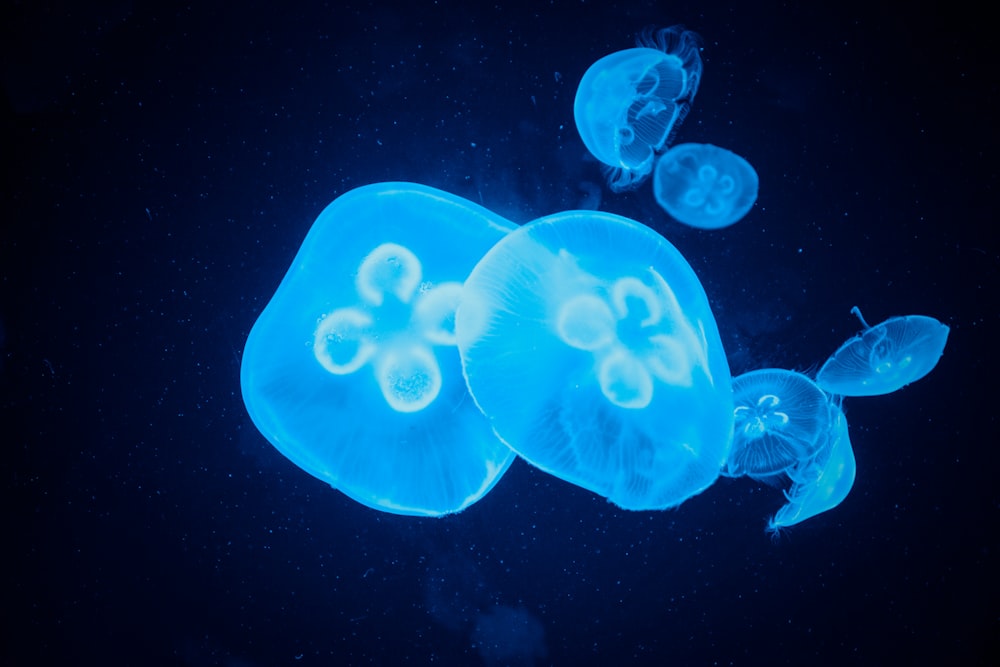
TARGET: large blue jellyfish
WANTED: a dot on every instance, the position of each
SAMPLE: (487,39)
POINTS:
(781,420)
(884,357)
(704,186)
(629,103)
(822,482)
(352,371)
(588,342)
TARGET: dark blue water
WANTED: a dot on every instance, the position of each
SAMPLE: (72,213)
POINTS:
(162,166)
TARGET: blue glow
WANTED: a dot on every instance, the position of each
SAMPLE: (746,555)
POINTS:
(822,482)
(884,357)
(630,103)
(781,420)
(588,341)
(704,186)
(787,429)
(352,372)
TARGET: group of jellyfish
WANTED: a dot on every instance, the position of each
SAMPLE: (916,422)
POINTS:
(419,342)
(628,107)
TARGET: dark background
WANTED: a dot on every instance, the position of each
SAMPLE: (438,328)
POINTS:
(162,165)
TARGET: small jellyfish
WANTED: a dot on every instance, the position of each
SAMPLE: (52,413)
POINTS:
(589,343)
(821,482)
(884,357)
(704,186)
(781,419)
(352,371)
(787,429)
(630,103)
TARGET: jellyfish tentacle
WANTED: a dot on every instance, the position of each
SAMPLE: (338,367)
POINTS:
(857,313)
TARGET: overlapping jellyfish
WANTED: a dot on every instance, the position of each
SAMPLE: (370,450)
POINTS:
(352,371)
(787,430)
(823,481)
(588,342)
(779,418)
(629,103)
(419,341)
(704,186)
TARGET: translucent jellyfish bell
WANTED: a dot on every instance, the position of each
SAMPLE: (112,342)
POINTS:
(704,186)
(781,420)
(787,429)
(629,103)
(352,371)
(822,482)
(588,341)
(884,357)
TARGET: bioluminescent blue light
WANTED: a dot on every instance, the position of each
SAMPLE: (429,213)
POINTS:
(352,371)
(588,342)
(822,482)
(781,420)
(787,429)
(629,103)
(884,357)
(704,186)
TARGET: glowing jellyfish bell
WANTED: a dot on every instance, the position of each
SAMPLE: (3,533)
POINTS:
(588,341)
(884,357)
(821,482)
(352,370)
(781,420)
(787,429)
(630,103)
(704,186)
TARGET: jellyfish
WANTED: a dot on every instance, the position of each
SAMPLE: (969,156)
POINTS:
(787,429)
(781,419)
(884,357)
(352,372)
(704,186)
(629,104)
(589,343)
(821,482)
